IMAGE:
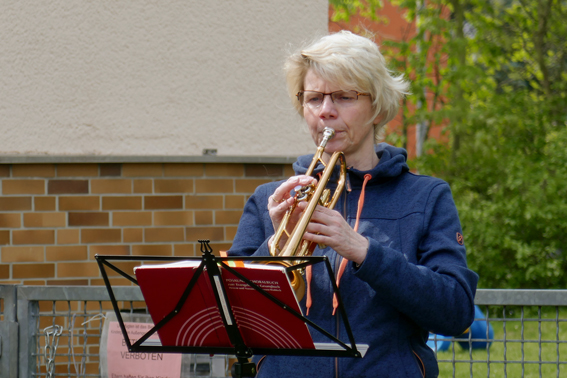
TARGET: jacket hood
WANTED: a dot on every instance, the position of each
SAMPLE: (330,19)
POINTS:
(392,164)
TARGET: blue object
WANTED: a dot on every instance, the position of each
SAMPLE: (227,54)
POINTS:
(439,343)
(478,330)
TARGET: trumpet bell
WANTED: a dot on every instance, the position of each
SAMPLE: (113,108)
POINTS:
(295,278)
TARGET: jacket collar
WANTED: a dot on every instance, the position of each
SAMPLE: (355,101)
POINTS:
(392,163)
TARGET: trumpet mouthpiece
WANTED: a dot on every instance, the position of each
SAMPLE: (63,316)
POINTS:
(328,134)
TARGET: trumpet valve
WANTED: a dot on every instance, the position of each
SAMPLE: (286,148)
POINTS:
(324,200)
(304,193)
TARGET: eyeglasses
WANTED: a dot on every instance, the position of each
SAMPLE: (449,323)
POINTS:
(314,99)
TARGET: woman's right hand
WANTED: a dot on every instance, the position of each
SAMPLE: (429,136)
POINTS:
(280,201)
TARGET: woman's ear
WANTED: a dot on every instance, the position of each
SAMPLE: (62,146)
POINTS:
(378,119)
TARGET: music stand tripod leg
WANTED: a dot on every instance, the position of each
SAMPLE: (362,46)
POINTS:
(242,368)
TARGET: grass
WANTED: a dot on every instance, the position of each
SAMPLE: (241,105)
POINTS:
(507,346)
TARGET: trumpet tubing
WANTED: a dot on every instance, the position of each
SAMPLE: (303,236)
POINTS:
(315,195)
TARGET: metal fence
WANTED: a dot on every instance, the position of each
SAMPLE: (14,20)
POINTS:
(57,331)
(524,334)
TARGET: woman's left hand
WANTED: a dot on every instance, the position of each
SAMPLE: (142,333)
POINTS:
(330,228)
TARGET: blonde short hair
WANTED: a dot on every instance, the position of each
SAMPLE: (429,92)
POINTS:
(352,62)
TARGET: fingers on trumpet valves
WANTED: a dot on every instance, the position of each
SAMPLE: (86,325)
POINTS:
(291,188)
(275,200)
(300,181)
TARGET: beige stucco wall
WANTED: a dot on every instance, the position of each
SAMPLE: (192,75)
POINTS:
(142,77)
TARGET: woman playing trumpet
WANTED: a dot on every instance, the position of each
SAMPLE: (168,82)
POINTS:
(393,237)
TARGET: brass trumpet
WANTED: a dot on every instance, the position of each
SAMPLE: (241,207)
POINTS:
(315,195)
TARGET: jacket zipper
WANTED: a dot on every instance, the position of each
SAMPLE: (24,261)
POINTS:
(337,260)
(338,325)
(420,364)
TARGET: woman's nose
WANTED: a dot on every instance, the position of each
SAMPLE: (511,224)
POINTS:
(328,108)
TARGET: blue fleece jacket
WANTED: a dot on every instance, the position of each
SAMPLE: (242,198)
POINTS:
(414,280)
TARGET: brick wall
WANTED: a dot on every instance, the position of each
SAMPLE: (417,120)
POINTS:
(54,218)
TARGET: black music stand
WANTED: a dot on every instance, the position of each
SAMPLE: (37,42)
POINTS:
(241,368)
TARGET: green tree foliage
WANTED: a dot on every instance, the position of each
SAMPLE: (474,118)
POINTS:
(344,9)
(493,73)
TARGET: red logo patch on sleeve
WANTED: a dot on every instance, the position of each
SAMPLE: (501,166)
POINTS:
(460,238)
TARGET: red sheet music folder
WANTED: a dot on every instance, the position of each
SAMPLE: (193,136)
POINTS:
(262,323)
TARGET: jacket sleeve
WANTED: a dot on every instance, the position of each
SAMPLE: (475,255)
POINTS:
(255,226)
(438,292)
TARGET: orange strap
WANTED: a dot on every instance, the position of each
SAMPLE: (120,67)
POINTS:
(231,262)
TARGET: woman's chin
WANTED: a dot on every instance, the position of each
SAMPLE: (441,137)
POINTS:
(338,143)
(331,149)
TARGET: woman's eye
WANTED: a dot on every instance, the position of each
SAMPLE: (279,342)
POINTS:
(347,97)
